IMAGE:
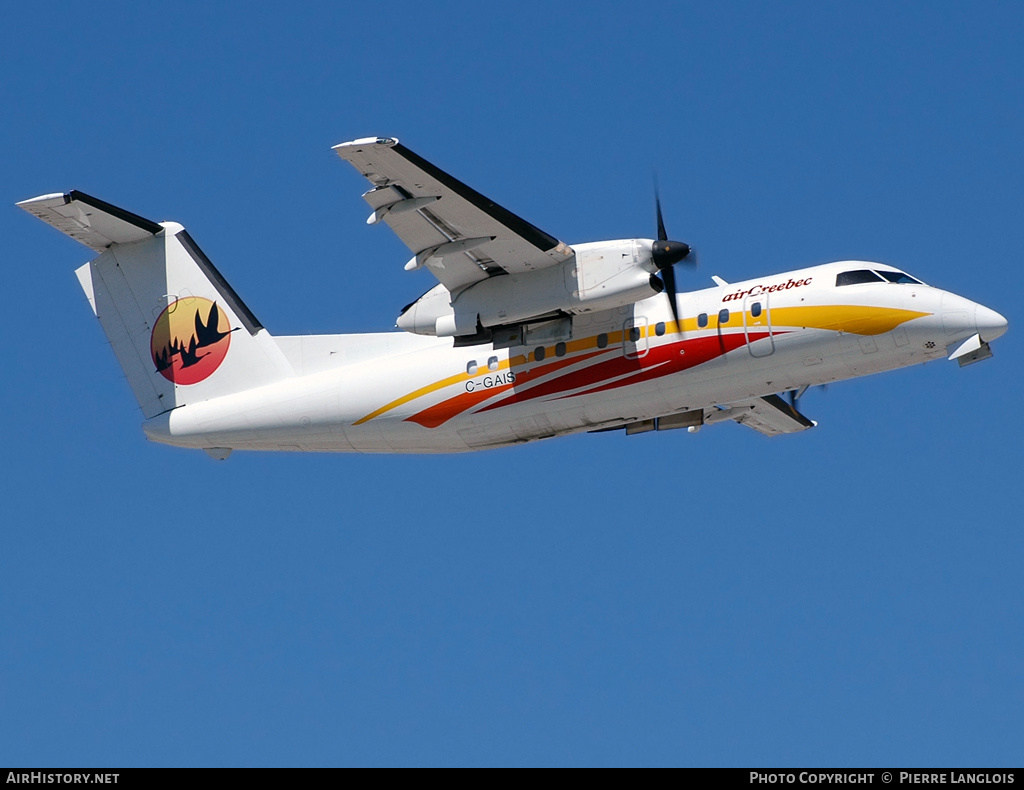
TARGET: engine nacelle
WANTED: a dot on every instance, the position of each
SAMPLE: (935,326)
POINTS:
(601,276)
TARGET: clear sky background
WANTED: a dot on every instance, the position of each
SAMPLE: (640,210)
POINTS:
(852,595)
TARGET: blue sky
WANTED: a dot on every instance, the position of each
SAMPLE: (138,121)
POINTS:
(847,596)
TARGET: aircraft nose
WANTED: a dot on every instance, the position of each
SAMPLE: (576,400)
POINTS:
(989,323)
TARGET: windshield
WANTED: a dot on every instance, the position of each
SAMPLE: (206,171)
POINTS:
(899,277)
(861,276)
(858,277)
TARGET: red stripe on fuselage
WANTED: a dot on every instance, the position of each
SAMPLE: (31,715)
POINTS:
(677,357)
(440,413)
(663,360)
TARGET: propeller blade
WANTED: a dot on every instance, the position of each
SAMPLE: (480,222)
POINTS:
(662,234)
(666,254)
(669,277)
(795,395)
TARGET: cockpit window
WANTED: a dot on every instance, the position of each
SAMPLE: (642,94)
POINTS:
(899,277)
(858,277)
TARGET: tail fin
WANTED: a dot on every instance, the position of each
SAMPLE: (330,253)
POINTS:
(178,329)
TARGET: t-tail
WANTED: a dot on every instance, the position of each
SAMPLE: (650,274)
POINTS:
(178,329)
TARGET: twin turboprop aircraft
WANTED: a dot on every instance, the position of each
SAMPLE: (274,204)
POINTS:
(524,337)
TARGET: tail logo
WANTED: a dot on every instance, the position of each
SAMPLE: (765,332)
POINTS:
(190,340)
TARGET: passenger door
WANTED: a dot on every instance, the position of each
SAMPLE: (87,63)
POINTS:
(757,321)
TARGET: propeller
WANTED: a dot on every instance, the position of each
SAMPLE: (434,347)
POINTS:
(666,254)
(794,395)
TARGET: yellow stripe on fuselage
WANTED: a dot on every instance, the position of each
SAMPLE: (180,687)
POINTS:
(857,319)
(437,385)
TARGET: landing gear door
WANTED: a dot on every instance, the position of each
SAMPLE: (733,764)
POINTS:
(757,326)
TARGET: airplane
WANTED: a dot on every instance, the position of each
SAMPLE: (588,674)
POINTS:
(524,337)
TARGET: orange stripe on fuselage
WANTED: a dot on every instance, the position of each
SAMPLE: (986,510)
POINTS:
(437,385)
(663,360)
(856,319)
(440,413)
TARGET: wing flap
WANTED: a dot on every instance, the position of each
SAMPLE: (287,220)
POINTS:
(427,208)
(89,220)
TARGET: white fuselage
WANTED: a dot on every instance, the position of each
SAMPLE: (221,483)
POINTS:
(406,393)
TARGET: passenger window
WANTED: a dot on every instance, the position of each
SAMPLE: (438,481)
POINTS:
(723,316)
(492,363)
(560,349)
(659,328)
(634,333)
(755,309)
(471,368)
(538,354)
(702,320)
(602,340)
(858,278)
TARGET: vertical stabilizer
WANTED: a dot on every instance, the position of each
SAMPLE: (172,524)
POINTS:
(178,329)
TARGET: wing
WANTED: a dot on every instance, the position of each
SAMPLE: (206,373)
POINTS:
(770,415)
(458,234)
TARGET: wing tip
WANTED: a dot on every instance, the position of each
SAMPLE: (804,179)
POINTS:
(53,198)
(389,142)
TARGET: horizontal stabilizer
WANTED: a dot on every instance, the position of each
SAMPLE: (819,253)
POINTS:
(94,223)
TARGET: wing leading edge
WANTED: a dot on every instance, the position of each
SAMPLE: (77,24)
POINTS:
(461,236)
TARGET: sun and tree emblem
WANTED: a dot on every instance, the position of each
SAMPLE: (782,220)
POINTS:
(190,340)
